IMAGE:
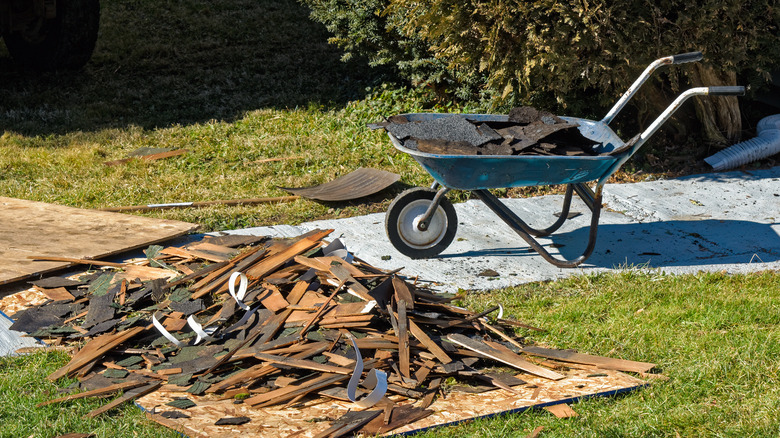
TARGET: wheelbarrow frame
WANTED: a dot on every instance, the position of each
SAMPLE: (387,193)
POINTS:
(479,173)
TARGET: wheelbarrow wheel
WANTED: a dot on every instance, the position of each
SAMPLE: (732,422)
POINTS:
(404,215)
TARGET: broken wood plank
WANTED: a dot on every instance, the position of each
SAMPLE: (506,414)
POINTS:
(273,262)
(56,294)
(403,292)
(96,392)
(291,391)
(302,363)
(217,280)
(272,299)
(607,363)
(339,359)
(320,311)
(349,422)
(126,397)
(355,287)
(503,356)
(399,416)
(95,349)
(146,273)
(403,339)
(432,346)
(199,204)
(211,252)
(76,261)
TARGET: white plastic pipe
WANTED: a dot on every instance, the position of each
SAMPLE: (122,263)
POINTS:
(766,144)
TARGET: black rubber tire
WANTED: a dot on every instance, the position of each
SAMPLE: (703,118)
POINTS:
(404,235)
(64,42)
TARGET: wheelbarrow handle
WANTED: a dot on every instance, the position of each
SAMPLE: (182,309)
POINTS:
(687,57)
(666,60)
(726,91)
(656,124)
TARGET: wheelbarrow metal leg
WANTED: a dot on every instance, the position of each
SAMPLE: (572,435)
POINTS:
(588,196)
(425,221)
(561,218)
(564,214)
(520,227)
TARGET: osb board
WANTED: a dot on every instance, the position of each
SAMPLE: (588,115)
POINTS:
(21,300)
(307,421)
(37,228)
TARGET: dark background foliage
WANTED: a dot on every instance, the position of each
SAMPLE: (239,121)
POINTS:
(573,57)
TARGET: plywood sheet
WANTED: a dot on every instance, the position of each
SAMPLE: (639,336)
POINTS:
(312,418)
(37,228)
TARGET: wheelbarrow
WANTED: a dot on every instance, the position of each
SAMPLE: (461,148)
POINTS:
(421,222)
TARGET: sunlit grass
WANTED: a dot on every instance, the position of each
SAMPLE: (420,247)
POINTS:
(239,82)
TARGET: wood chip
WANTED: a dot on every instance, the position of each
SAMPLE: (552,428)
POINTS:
(561,410)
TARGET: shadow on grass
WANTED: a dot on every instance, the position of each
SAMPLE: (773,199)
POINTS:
(158,64)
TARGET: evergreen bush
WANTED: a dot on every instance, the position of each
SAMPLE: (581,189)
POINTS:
(572,58)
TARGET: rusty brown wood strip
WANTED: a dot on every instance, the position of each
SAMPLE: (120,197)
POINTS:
(272,299)
(217,280)
(433,389)
(197,274)
(295,295)
(56,294)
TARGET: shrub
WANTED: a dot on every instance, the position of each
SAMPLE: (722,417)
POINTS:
(360,27)
(570,57)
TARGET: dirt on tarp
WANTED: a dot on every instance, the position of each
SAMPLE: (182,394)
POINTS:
(527,131)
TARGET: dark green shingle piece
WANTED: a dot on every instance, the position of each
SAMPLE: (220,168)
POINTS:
(181,403)
(115,374)
(232,421)
(130,361)
(198,387)
(180,379)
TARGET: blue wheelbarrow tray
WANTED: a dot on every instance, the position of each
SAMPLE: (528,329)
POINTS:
(477,172)
(421,222)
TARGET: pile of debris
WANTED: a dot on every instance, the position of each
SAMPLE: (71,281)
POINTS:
(279,323)
(527,131)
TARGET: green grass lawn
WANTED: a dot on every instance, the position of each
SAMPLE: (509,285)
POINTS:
(241,81)
(715,336)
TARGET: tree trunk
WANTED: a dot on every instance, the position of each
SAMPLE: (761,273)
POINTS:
(719,115)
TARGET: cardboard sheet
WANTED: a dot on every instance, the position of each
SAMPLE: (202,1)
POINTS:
(32,228)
